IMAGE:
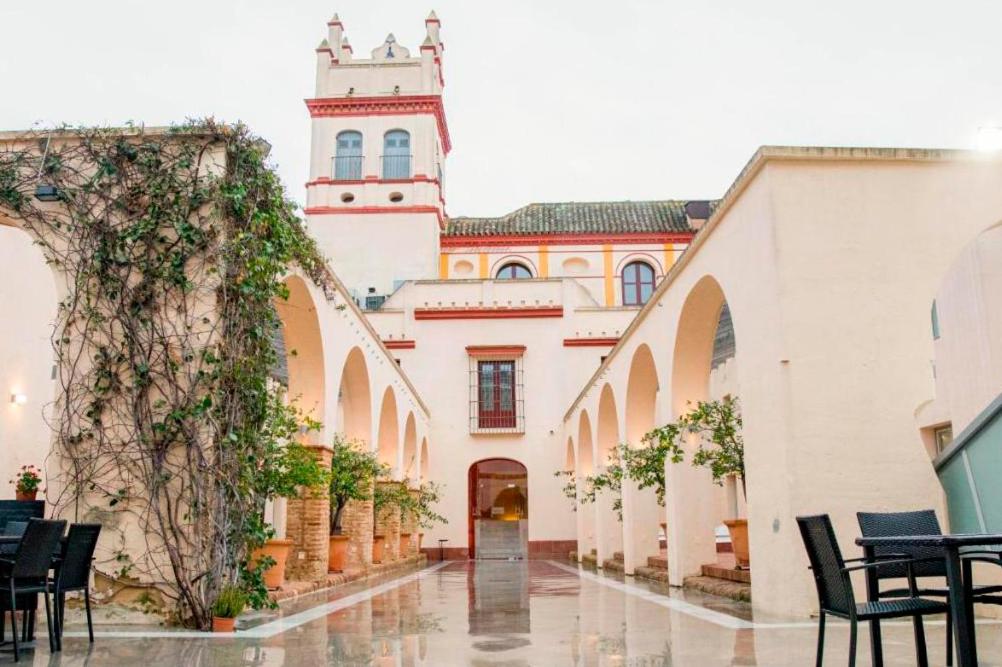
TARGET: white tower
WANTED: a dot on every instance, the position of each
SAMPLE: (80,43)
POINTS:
(374,200)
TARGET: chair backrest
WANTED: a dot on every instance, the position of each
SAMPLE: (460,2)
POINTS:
(15,528)
(889,524)
(19,510)
(834,591)
(74,571)
(36,549)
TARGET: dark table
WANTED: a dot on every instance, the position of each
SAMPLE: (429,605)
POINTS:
(958,574)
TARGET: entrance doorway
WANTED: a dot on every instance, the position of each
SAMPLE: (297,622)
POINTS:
(499,509)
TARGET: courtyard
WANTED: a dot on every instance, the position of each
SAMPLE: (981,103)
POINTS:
(506,613)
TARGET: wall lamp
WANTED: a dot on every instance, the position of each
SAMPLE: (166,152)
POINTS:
(18,399)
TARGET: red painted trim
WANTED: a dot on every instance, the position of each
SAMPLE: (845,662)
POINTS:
(590,342)
(485,313)
(335,23)
(397,105)
(563,239)
(495,350)
(432,21)
(399,344)
(342,210)
(428,48)
(418,178)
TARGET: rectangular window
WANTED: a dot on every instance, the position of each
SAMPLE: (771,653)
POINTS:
(496,393)
(943,437)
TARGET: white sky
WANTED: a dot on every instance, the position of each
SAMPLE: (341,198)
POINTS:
(547,100)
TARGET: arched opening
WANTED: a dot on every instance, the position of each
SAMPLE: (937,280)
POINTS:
(411,462)
(609,530)
(354,419)
(498,509)
(513,271)
(569,457)
(703,369)
(301,363)
(389,431)
(643,517)
(638,283)
(586,452)
(424,460)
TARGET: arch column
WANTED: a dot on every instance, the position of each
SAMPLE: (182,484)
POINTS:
(608,528)
(308,526)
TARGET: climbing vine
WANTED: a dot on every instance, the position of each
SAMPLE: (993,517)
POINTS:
(170,248)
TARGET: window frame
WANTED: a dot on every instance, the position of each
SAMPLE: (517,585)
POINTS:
(637,282)
(513,266)
(497,392)
(396,160)
(348,163)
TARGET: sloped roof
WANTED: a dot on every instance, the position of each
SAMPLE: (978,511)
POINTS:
(619,217)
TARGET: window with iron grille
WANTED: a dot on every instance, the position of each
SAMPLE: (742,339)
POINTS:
(497,396)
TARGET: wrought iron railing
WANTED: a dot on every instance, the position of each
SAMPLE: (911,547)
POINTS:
(347,167)
(396,166)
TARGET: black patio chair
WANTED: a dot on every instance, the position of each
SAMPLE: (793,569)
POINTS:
(73,573)
(920,522)
(28,570)
(835,595)
(13,529)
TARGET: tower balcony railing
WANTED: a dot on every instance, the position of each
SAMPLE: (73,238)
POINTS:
(347,167)
(396,166)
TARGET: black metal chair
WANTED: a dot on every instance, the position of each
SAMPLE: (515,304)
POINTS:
(73,572)
(835,595)
(13,529)
(918,522)
(28,570)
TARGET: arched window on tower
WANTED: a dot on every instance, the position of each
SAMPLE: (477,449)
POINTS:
(397,154)
(513,271)
(638,283)
(348,158)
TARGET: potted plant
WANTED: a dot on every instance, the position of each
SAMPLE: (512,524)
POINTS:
(27,482)
(387,496)
(228,605)
(351,476)
(721,449)
(286,468)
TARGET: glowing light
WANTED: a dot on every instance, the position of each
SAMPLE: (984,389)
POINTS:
(18,399)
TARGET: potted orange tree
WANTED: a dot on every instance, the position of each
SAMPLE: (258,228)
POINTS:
(26,484)
(352,473)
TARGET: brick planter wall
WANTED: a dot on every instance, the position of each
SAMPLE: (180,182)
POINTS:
(410,525)
(308,526)
(388,525)
(357,523)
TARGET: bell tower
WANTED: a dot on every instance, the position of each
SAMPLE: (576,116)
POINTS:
(374,200)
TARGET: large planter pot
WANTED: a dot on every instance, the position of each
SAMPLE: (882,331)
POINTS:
(25,495)
(220,624)
(279,550)
(738,528)
(378,542)
(337,553)
(405,544)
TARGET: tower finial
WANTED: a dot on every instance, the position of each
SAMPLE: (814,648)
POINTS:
(335,20)
(432,18)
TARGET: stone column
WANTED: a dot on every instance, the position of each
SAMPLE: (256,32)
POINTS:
(358,524)
(411,526)
(308,526)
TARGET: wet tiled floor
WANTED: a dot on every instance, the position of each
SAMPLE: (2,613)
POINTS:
(506,614)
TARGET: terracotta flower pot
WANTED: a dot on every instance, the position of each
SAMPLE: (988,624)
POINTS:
(279,550)
(405,544)
(220,624)
(25,495)
(337,553)
(378,542)
(738,528)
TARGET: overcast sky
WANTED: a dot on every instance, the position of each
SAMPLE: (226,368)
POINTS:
(546,100)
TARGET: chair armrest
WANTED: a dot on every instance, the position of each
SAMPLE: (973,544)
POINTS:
(884,563)
(864,559)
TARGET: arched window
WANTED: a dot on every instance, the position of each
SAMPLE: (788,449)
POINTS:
(513,271)
(348,159)
(397,154)
(638,283)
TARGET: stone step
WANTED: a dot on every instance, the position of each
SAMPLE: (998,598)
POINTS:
(617,555)
(658,574)
(657,562)
(721,587)
(590,560)
(729,574)
(613,565)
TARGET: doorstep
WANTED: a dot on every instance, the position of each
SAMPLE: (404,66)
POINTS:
(296,589)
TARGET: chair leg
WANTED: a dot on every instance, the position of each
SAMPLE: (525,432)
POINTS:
(90,623)
(48,623)
(852,643)
(13,618)
(57,620)
(949,640)
(921,654)
(821,639)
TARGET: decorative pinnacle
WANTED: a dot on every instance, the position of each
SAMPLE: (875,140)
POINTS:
(431,17)
(324,44)
(427,42)
(390,39)
(334,19)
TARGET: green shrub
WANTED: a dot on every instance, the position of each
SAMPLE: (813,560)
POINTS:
(230,603)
